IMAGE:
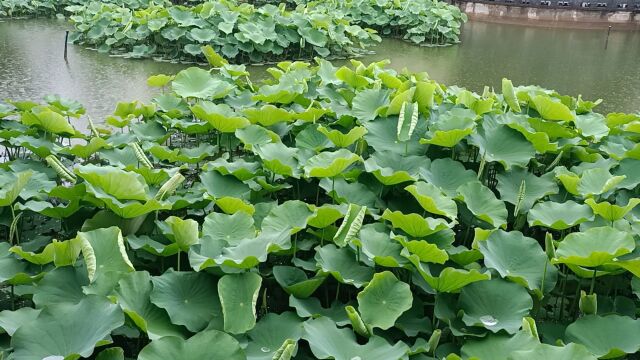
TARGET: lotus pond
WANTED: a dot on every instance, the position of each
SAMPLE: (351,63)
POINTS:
(330,212)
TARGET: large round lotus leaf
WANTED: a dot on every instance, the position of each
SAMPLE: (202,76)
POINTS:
(238,296)
(612,212)
(295,282)
(10,321)
(345,192)
(61,285)
(327,214)
(67,330)
(498,347)
(559,216)
(594,247)
(48,120)
(391,168)
(510,184)
(104,252)
(279,159)
(228,228)
(267,115)
(369,103)
(210,344)
(270,333)
(415,225)
(607,337)
(198,83)
(383,300)
(597,181)
(520,259)
(496,305)
(381,135)
(12,185)
(329,342)
(342,265)
(330,164)
(133,294)
(220,186)
(448,175)
(433,200)
(220,116)
(291,216)
(544,351)
(552,109)
(497,142)
(190,299)
(482,202)
(122,185)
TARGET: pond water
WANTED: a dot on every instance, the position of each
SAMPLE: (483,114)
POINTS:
(572,61)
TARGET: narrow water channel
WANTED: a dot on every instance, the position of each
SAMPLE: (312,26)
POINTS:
(572,61)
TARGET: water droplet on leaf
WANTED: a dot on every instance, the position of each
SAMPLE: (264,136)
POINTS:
(488,320)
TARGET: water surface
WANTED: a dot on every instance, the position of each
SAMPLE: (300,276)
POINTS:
(572,61)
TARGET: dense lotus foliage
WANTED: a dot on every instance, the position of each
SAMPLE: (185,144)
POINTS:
(239,31)
(330,213)
(48,8)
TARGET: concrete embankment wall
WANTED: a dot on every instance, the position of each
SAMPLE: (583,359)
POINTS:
(511,13)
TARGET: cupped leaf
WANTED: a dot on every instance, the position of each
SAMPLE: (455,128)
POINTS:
(559,216)
(238,296)
(607,337)
(484,205)
(594,247)
(329,164)
(433,200)
(199,346)
(341,264)
(415,225)
(198,83)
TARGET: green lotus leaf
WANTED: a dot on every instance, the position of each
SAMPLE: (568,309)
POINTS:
(326,215)
(295,282)
(510,95)
(537,131)
(133,293)
(228,228)
(398,100)
(592,125)
(479,105)
(238,296)
(198,347)
(330,163)
(382,136)
(289,216)
(62,253)
(48,120)
(66,331)
(104,251)
(519,259)
(279,159)
(10,321)
(594,247)
(544,351)
(376,244)
(499,346)
(311,308)
(391,168)
(552,109)
(559,216)
(342,140)
(610,211)
(351,78)
(449,279)
(607,337)
(433,200)
(631,169)
(183,232)
(350,226)
(495,304)
(451,127)
(415,225)
(159,80)
(342,265)
(85,151)
(220,186)
(383,300)
(330,342)
(424,251)
(256,135)
(61,286)
(535,187)
(484,205)
(12,185)
(370,103)
(190,299)
(122,185)
(221,116)
(39,146)
(198,83)
(239,168)
(152,246)
(448,175)
(114,353)
(596,181)
(267,115)
(500,143)
(354,193)
(270,333)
